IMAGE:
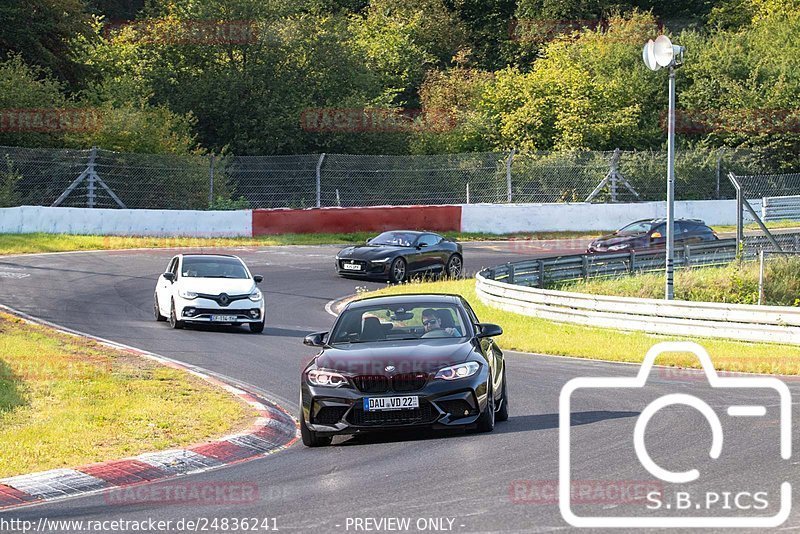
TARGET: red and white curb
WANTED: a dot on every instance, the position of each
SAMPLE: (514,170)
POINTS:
(273,430)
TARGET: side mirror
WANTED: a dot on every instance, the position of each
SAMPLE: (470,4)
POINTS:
(422,245)
(169,276)
(317,339)
(488,330)
(655,235)
(258,278)
(369,241)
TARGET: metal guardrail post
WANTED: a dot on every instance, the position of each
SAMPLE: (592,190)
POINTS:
(511,269)
(633,261)
(687,257)
(585,267)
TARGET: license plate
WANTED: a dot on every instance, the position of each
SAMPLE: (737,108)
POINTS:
(351,267)
(223,318)
(383,404)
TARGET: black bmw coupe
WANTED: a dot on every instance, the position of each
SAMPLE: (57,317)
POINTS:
(398,255)
(403,361)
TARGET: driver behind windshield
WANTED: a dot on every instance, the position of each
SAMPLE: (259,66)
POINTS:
(432,323)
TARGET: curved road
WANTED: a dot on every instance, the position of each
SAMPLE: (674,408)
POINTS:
(499,482)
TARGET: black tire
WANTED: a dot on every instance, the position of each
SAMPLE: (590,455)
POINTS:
(454,267)
(486,420)
(311,438)
(257,328)
(398,271)
(502,413)
(156,312)
(174,323)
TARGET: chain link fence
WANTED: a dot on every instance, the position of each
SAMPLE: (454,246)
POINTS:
(102,178)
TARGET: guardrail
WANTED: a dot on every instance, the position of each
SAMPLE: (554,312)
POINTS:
(785,208)
(517,287)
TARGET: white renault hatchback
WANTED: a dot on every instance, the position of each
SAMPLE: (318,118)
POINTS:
(209,288)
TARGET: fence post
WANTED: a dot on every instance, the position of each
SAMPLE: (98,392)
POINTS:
(614,172)
(633,262)
(467,192)
(760,276)
(687,256)
(541,274)
(211,182)
(585,267)
(510,278)
(319,179)
(508,174)
(719,169)
(91,176)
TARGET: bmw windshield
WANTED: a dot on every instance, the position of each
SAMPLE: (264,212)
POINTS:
(398,323)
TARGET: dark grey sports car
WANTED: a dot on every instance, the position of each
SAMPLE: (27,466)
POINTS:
(403,361)
(398,255)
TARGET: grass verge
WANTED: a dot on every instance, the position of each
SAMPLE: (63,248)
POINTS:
(530,334)
(36,243)
(735,283)
(67,401)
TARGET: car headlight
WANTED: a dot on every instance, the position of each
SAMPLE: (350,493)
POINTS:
(619,247)
(382,260)
(317,377)
(189,295)
(256,295)
(462,370)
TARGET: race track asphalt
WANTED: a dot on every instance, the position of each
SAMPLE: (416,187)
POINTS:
(498,482)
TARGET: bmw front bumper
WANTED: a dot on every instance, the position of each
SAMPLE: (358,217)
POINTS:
(442,404)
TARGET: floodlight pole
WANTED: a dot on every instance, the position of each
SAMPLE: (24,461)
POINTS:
(669,291)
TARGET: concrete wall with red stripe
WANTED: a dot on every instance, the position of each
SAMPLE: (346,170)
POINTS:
(487,218)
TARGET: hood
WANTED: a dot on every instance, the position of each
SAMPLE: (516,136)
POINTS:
(419,355)
(613,239)
(371,252)
(215,286)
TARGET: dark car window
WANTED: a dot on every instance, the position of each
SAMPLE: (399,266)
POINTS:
(173,268)
(213,267)
(639,227)
(393,322)
(429,240)
(400,239)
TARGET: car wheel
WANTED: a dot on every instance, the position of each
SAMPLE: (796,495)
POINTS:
(454,266)
(311,438)
(257,328)
(173,319)
(502,413)
(157,310)
(486,420)
(398,270)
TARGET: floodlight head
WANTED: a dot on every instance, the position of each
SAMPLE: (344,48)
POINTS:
(666,53)
(648,55)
